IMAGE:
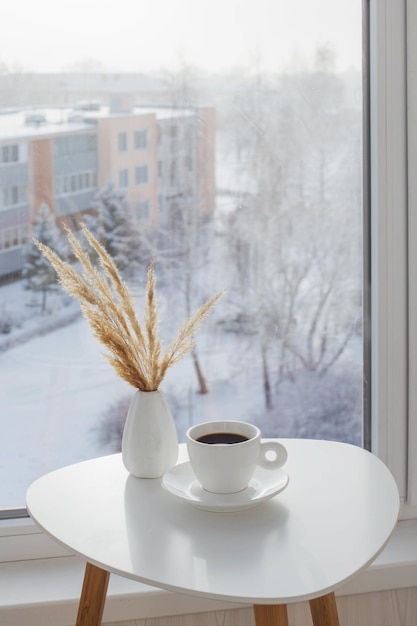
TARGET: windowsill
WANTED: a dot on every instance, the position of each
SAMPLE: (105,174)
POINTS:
(43,591)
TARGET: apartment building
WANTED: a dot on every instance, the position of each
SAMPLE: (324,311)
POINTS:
(162,159)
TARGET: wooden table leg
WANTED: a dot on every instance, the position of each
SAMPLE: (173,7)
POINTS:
(324,611)
(270,614)
(93,596)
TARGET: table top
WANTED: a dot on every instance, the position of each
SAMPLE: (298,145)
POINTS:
(334,517)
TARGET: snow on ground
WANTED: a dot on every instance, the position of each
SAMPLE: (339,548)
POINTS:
(56,388)
(53,389)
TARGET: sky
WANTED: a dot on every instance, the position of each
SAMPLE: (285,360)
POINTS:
(150,35)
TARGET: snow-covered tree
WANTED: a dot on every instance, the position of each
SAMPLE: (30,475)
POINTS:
(183,84)
(115,227)
(295,240)
(181,253)
(39,275)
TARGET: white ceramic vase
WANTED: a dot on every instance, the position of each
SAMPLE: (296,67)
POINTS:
(150,443)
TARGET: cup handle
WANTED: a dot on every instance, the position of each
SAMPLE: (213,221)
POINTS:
(279,457)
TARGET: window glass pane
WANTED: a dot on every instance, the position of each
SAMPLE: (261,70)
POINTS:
(143,209)
(122,142)
(142,175)
(252,160)
(141,139)
(124,178)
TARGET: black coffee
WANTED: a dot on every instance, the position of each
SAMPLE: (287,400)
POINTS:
(222,438)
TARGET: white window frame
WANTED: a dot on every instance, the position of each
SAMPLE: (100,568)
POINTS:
(393,231)
(394,325)
(412,252)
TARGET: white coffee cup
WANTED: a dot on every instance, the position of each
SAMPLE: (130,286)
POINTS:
(226,464)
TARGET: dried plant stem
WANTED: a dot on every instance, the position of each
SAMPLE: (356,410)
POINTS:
(185,340)
(151,323)
(135,352)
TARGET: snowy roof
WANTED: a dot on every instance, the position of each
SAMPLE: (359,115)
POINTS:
(46,122)
(27,124)
(165,112)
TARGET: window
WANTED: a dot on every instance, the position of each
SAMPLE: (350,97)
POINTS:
(11,238)
(74,182)
(9,154)
(392,266)
(124,178)
(143,211)
(188,161)
(281,162)
(12,196)
(173,173)
(141,139)
(122,142)
(74,144)
(141,175)
(71,183)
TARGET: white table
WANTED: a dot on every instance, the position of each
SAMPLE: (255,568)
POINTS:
(335,516)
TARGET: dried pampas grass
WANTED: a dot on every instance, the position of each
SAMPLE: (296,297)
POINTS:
(135,352)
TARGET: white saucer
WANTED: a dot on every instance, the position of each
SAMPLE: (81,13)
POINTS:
(182,483)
